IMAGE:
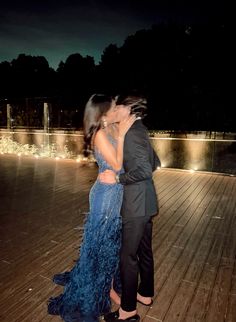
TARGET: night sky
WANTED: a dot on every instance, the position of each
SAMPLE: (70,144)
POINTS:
(57,28)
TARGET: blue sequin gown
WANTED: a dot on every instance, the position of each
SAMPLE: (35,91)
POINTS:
(86,294)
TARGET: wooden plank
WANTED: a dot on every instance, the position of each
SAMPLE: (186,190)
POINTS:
(194,240)
(174,230)
(171,284)
(207,272)
(231,309)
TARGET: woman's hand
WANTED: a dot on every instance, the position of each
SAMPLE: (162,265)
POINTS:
(125,125)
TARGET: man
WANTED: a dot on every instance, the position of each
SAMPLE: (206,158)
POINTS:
(139,205)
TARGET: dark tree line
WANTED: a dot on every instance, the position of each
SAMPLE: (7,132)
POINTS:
(182,70)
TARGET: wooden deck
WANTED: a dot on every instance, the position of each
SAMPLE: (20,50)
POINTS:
(43,205)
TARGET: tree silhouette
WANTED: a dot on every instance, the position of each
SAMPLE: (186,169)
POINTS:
(181,69)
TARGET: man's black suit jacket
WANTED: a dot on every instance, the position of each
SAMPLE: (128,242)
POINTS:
(140,160)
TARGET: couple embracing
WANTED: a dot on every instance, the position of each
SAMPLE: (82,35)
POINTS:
(116,260)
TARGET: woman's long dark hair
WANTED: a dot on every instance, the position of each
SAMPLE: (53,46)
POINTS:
(97,106)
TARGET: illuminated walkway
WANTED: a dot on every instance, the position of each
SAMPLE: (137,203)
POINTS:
(43,203)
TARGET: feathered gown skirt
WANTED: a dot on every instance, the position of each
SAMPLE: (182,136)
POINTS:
(86,294)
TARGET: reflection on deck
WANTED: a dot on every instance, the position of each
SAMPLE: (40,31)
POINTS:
(43,202)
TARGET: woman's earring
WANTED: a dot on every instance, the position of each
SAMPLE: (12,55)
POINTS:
(104,123)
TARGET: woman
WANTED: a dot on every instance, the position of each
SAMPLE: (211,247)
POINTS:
(87,292)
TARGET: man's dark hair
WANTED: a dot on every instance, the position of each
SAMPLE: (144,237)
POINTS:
(137,103)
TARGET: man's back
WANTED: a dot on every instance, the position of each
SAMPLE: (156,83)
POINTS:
(140,160)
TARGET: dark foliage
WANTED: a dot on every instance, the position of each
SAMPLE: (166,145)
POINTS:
(182,70)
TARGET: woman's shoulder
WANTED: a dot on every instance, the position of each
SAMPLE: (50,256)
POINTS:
(103,137)
(100,134)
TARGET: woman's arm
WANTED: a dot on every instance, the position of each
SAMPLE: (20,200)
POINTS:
(113,156)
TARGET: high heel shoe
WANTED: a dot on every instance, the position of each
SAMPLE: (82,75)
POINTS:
(149,304)
(61,278)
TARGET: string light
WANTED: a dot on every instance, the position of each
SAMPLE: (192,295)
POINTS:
(8,146)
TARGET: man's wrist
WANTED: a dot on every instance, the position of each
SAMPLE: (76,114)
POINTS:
(117,178)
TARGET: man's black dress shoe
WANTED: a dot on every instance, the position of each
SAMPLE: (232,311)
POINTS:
(114,317)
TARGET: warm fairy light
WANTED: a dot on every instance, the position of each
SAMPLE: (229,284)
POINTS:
(191,171)
(7,145)
(82,158)
(79,158)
